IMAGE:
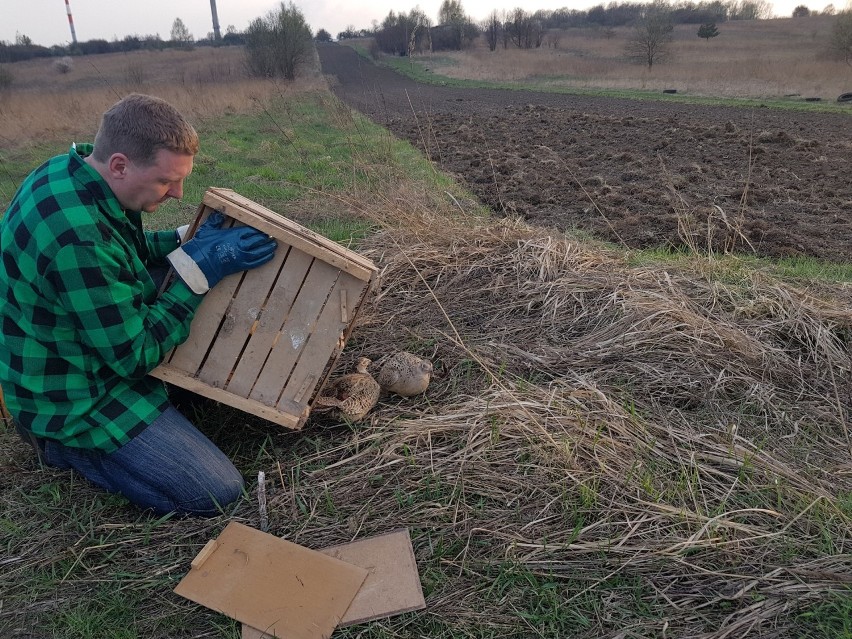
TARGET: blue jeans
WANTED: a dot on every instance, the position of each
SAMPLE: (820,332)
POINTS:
(169,467)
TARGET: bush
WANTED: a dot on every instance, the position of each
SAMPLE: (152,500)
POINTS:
(63,65)
(840,44)
(278,43)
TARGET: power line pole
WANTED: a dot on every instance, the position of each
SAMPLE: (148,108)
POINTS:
(216,35)
(71,22)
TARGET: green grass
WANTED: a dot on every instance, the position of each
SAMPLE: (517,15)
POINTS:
(17,163)
(832,618)
(420,70)
(794,268)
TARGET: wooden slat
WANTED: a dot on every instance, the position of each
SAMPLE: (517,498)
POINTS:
(268,330)
(205,325)
(296,228)
(295,333)
(290,233)
(326,337)
(242,313)
(189,355)
(291,416)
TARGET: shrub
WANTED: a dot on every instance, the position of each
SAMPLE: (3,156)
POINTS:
(840,44)
(278,43)
(64,64)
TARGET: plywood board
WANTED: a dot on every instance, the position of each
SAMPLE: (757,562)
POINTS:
(392,585)
(272,584)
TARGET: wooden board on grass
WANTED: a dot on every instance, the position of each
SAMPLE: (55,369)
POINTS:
(269,583)
(392,585)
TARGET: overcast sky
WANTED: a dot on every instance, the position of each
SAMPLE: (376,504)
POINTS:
(46,23)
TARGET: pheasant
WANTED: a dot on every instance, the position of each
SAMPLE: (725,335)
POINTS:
(405,374)
(352,395)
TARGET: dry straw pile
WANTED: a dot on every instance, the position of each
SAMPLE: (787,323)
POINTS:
(667,449)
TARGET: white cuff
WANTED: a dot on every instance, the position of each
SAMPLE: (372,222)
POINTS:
(181,233)
(189,271)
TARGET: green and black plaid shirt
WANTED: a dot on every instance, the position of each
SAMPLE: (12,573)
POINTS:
(81,324)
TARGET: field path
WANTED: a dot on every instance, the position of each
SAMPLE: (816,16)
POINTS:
(641,173)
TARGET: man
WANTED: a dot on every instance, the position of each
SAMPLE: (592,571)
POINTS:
(81,321)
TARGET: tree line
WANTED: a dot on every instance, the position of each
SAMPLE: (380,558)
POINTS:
(24,49)
(400,32)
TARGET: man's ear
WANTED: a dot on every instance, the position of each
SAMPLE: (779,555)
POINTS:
(117,166)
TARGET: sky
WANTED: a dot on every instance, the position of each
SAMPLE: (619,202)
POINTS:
(45,22)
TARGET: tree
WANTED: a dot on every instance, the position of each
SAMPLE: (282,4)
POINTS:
(749,9)
(402,34)
(347,33)
(708,31)
(492,29)
(278,43)
(322,36)
(652,35)
(451,12)
(801,11)
(180,35)
(523,29)
(841,37)
(21,40)
(455,30)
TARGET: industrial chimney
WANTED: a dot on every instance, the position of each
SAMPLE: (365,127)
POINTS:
(216,35)
(71,21)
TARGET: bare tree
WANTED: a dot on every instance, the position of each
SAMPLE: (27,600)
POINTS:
(492,29)
(652,35)
(451,12)
(749,9)
(524,31)
(278,43)
(180,35)
(841,37)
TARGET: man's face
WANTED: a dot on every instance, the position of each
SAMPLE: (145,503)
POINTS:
(144,188)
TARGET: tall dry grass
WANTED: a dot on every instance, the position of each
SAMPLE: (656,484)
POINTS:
(43,104)
(762,58)
(672,442)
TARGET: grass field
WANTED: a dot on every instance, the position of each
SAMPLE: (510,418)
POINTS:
(615,444)
(783,60)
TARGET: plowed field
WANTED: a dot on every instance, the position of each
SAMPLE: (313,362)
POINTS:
(639,173)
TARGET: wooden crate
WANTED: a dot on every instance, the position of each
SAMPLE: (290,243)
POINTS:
(265,341)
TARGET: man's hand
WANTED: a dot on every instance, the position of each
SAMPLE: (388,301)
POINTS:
(214,253)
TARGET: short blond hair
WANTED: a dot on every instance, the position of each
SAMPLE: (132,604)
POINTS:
(140,125)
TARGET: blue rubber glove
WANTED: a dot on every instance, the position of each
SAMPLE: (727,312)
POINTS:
(214,253)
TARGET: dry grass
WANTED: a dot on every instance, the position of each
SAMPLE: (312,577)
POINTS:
(669,440)
(206,82)
(763,58)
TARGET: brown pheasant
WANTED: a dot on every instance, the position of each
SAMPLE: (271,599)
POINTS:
(405,374)
(351,396)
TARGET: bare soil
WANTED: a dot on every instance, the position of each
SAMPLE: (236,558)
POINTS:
(639,173)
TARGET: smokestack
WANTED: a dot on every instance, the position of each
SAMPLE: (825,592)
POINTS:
(71,22)
(216,35)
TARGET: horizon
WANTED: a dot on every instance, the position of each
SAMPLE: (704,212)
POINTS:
(90,23)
